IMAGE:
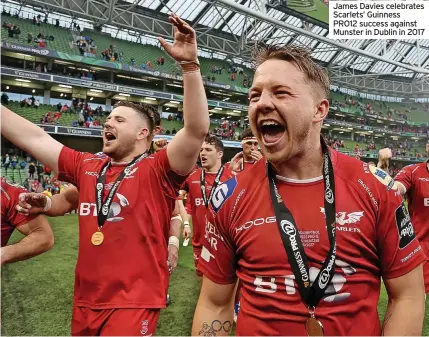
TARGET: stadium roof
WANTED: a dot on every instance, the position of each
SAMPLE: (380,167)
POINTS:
(232,27)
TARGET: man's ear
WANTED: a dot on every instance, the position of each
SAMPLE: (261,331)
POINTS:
(220,154)
(143,133)
(322,111)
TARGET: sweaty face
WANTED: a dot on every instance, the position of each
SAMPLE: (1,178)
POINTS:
(248,147)
(120,132)
(208,155)
(281,109)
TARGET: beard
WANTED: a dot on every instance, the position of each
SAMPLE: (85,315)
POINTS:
(120,149)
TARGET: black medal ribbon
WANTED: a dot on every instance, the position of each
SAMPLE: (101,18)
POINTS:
(311,294)
(104,207)
(215,184)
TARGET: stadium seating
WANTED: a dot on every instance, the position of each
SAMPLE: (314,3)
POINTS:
(62,36)
(140,52)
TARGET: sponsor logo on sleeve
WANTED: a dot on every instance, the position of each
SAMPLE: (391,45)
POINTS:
(222,193)
(382,177)
(405,227)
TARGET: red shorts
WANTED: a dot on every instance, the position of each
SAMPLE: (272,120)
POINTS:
(197,253)
(114,322)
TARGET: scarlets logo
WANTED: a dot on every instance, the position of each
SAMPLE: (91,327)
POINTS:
(344,218)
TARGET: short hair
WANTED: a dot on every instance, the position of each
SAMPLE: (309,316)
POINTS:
(247,133)
(157,118)
(145,110)
(301,58)
(213,140)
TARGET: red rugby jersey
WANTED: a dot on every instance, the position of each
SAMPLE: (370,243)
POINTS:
(374,239)
(195,204)
(10,218)
(415,179)
(129,269)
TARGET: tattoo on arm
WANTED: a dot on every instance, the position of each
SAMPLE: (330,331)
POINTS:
(207,330)
(214,327)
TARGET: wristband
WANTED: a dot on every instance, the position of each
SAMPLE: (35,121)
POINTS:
(173,240)
(48,204)
(186,223)
(189,67)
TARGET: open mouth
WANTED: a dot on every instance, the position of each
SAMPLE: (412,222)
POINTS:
(109,136)
(272,131)
(203,160)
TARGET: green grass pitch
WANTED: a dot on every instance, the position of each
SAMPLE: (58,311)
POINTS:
(37,294)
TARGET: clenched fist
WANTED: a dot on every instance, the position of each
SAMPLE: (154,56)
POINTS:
(385,154)
(31,203)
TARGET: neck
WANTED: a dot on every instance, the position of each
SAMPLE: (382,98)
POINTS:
(305,165)
(125,159)
(214,168)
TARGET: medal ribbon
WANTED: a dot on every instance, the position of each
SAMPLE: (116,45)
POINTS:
(215,184)
(104,207)
(311,294)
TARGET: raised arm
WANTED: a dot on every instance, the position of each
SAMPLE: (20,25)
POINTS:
(185,146)
(384,155)
(30,138)
(215,309)
(38,239)
(58,205)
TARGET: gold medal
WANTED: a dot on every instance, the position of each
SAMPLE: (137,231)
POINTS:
(97,238)
(313,327)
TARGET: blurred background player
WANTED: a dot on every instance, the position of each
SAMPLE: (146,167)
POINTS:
(413,182)
(249,155)
(107,290)
(38,237)
(201,186)
(309,232)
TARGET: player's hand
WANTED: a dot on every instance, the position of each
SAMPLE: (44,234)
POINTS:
(31,203)
(184,47)
(173,256)
(385,154)
(159,144)
(256,155)
(236,162)
(187,232)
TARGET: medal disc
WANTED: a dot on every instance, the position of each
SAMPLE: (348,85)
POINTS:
(97,238)
(313,327)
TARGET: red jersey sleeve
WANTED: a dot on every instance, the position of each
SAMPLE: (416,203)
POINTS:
(70,164)
(171,181)
(400,250)
(405,176)
(9,200)
(218,259)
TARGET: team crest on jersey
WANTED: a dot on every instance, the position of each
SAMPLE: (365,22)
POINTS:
(382,177)
(344,218)
(222,193)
